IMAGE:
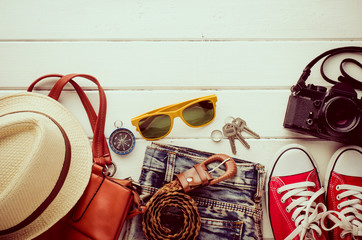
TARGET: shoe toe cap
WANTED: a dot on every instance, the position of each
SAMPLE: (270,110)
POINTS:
(348,161)
(293,161)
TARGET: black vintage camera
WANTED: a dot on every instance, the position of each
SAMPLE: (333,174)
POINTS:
(335,114)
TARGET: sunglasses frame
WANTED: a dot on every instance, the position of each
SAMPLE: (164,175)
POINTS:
(173,111)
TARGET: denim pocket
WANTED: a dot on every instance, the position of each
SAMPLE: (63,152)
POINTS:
(215,229)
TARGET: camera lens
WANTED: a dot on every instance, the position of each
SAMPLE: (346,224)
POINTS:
(341,114)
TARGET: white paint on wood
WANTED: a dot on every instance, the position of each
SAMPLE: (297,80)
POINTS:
(171,65)
(180,20)
(148,54)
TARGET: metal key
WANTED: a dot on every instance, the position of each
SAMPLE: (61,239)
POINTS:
(242,139)
(240,124)
(230,131)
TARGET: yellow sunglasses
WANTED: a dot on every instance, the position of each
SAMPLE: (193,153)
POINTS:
(158,123)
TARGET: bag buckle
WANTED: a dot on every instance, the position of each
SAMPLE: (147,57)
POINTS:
(199,176)
(109,170)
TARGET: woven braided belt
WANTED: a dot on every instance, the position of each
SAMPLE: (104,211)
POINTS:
(172,197)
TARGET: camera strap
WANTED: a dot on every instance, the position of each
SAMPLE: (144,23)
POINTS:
(345,77)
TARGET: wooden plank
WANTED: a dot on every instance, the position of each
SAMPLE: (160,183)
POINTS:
(263,110)
(171,65)
(170,20)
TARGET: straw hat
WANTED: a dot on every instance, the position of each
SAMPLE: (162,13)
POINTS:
(45,162)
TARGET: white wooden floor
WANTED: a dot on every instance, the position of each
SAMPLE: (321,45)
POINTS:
(148,54)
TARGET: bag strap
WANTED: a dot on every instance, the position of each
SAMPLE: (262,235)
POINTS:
(326,55)
(83,97)
(100,148)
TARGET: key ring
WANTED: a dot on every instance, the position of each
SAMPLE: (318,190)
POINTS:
(118,124)
(229,119)
(216,136)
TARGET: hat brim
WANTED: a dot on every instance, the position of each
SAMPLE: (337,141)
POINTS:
(80,166)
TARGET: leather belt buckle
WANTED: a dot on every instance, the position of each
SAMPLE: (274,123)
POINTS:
(199,175)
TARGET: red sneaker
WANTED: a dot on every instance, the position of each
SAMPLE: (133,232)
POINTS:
(344,194)
(294,195)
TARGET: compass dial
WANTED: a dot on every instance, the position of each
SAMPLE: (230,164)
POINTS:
(122,141)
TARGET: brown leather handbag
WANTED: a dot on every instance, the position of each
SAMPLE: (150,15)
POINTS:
(106,202)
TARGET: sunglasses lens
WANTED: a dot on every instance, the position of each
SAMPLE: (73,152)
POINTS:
(155,126)
(200,113)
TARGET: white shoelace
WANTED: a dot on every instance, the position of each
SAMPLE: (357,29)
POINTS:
(350,218)
(307,213)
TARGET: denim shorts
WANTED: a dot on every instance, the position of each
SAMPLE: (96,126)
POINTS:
(231,209)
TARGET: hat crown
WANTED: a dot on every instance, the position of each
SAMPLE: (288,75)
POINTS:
(31,158)
(40,140)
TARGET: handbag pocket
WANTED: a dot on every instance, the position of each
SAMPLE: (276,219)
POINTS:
(96,209)
(102,210)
